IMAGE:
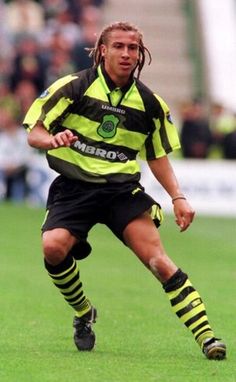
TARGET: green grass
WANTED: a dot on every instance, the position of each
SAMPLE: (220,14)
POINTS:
(138,337)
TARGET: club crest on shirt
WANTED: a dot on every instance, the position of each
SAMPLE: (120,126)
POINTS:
(108,127)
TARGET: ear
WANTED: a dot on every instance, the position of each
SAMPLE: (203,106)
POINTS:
(103,49)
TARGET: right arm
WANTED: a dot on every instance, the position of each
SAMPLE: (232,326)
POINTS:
(40,138)
(164,173)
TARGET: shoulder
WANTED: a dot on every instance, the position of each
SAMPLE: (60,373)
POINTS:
(82,76)
(70,85)
(83,80)
(151,100)
(86,76)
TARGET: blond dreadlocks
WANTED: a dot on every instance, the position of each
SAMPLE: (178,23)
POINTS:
(95,52)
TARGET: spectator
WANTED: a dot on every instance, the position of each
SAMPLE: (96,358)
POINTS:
(196,137)
(30,31)
(223,126)
(28,63)
(60,64)
(62,24)
(8,100)
(25,93)
(24,16)
(5,38)
(57,57)
(229,141)
(77,7)
(229,145)
(52,7)
(14,156)
(90,25)
(5,67)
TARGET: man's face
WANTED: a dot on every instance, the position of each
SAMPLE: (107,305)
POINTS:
(121,53)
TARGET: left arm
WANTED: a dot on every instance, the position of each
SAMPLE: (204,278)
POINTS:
(164,173)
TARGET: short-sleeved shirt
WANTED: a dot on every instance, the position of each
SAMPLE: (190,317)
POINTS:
(115,126)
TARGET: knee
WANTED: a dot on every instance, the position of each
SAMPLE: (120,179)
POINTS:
(56,245)
(54,251)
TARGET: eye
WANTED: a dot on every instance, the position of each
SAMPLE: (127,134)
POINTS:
(133,47)
(118,45)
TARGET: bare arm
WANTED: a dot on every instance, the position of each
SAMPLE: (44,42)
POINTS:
(40,138)
(164,173)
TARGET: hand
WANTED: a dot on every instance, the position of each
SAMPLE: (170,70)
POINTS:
(184,214)
(63,139)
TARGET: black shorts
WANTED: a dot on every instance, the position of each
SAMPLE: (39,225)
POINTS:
(77,206)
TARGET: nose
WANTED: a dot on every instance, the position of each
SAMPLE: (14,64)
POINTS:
(125,52)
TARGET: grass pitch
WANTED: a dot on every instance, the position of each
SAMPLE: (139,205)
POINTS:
(138,337)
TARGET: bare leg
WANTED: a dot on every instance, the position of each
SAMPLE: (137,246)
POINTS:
(143,238)
(56,245)
(63,269)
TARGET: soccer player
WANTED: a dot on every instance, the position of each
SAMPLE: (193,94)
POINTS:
(93,125)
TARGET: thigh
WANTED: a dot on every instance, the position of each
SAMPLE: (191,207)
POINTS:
(75,220)
(127,206)
(70,206)
(142,236)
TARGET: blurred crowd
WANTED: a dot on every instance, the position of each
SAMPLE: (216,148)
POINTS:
(40,42)
(207,132)
(44,40)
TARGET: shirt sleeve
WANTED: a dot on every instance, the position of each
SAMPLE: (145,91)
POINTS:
(51,105)
(163,139)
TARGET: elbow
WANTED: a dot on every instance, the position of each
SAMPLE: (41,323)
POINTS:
(31,140)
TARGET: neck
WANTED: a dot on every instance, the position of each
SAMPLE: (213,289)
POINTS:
(119,81)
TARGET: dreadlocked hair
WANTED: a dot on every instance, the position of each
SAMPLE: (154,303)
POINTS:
(95,52)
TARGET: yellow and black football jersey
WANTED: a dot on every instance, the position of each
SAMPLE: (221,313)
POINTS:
(114,126)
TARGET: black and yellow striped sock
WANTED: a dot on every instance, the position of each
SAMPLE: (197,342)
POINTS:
(188,306)
(66,277)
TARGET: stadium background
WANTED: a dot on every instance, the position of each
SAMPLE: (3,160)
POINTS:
(138,338)
(192,58)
